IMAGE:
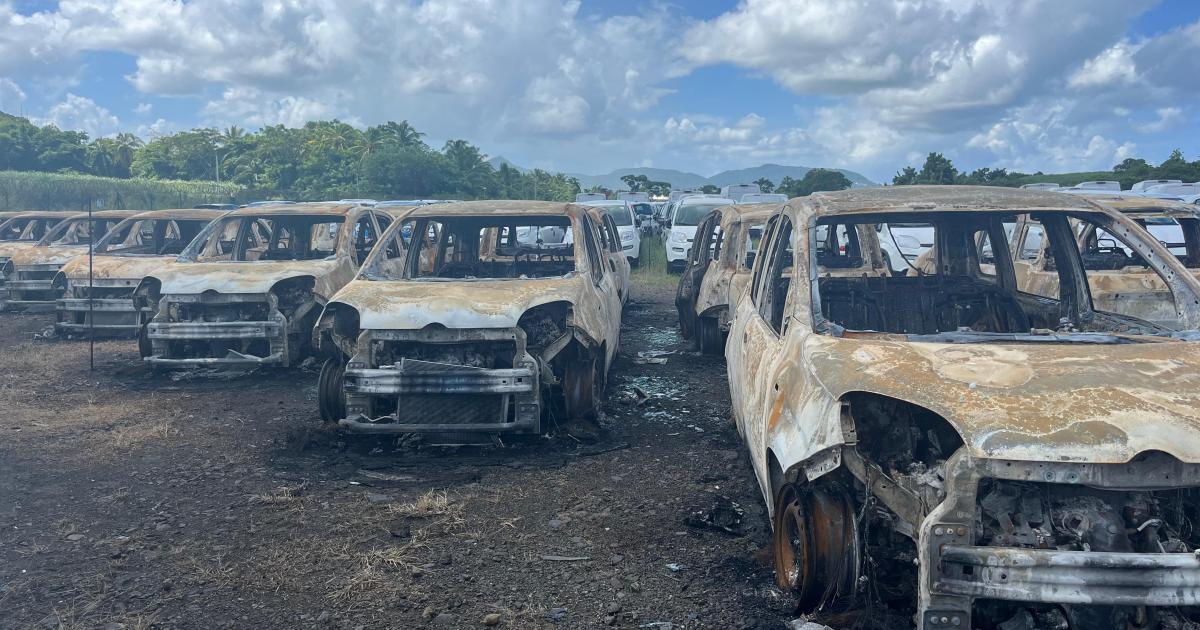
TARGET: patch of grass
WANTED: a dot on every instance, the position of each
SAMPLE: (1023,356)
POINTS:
(651,276)
(130,436)
(430,504)
(285,495)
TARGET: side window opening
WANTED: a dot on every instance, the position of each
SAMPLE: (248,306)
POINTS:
(778,280)
(757,278)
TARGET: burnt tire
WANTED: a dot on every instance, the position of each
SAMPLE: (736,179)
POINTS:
(581,389)
(709,338)
(331,397)
(815,545)
(145,347)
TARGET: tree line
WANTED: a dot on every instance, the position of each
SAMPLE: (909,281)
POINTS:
(938,169)
(321,160)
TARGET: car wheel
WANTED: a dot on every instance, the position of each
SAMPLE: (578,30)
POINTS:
(581,389)
(815,544)
(633,263)
(331,397)
(709,339)
(145,347)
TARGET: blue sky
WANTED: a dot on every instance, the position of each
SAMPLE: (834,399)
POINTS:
(589,86)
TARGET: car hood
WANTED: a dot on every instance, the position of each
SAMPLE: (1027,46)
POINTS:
(1042,402)
(239,277)
(47,254)
(9,248)
(116,267)
(410,305)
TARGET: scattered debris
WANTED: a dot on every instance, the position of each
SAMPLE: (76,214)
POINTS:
(674,567)
(565,558)
(724,515)
(801,624)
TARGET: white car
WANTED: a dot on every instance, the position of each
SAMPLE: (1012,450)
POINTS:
(763,198)
(688,214)
(622,213)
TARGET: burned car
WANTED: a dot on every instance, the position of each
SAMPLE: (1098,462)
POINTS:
(19,230)
(248,288)
(946,442)
(1120,279)
(138,247)
(473,323)
(717,271)
(27,277)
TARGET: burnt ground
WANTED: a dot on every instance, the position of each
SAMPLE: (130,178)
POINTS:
(131,500)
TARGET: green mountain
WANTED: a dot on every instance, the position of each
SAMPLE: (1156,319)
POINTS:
(684,180)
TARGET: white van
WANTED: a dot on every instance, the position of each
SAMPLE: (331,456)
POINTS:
(1101,184)
(688,214)
(1145,184)
(586,196)
(763,198)
(633,197)
(735,191)
(622,213)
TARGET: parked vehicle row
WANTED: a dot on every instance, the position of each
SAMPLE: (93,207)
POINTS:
(1011,420)
(485,317)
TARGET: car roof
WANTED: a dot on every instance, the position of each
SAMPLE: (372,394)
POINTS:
(182,213)
(1136,203)
(705,200)
(938,199)
(106,214)
(40,214)
(332,209)
(497,208)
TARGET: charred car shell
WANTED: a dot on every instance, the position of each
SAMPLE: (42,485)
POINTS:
(947,421)
(513,328)
(27,278)
(717,272)
(118,266)
(247,290)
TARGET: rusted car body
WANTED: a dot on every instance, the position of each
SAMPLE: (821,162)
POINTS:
(27,279)
(485,319)
(140,246)
(610,243)
(717,271)
(20,230)
(248,289)
(1023,455)
(1120,281)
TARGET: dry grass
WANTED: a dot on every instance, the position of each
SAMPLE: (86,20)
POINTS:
(375,571)
(136,435)
(284,495)
(432,503)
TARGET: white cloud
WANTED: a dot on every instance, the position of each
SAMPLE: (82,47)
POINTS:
(79,113)
(11,95)
(155,129)
(143,108)
(1041,137)
(1167,118)
(251,107)
(1114,65)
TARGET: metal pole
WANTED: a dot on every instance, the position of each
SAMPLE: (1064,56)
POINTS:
(90,291)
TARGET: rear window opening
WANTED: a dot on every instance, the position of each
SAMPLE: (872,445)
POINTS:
(77,231)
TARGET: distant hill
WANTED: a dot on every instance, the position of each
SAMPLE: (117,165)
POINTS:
(683,180)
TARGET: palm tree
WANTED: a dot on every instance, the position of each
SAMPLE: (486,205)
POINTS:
(126,145)
(765,185)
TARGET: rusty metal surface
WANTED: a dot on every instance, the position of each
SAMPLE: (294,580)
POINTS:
(726,278)
(1068,410)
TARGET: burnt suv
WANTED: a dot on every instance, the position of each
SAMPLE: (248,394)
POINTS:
(487,317)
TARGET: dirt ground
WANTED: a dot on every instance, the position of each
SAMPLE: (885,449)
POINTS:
(131,500)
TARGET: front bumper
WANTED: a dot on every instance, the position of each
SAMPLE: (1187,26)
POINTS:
(110,315)
(433,397)
(219,343)
(29,288)
(954,572)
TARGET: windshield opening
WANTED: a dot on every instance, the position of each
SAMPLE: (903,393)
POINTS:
(150,237)
(469,248)
(981,272)
(270,237)
(77,231)
(25,229)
